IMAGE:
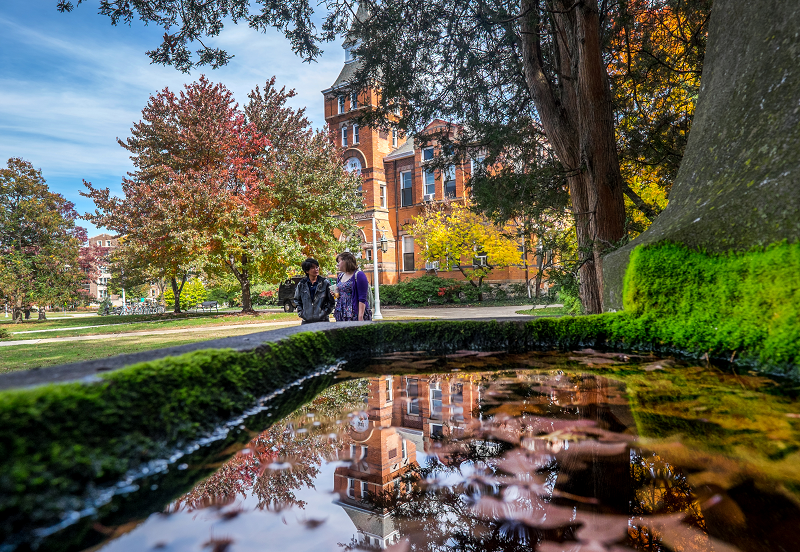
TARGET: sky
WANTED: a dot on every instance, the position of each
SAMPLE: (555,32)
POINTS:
(71,84)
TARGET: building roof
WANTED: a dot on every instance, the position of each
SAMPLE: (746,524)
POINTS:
(344,77)
(406,149)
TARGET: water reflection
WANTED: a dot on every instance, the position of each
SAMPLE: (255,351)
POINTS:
(520,460)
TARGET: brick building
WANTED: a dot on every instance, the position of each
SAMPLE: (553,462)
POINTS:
(396,185)
(403,416)
(98,290)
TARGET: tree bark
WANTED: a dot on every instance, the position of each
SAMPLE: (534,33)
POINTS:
(176,292)
(577,117)
(243,276)
(42,314)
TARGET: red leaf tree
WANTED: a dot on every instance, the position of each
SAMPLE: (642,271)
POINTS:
(245,191)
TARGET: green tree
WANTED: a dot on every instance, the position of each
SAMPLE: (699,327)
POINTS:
(39,242)
(459,238)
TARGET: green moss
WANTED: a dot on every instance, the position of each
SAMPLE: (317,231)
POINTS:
(743,306)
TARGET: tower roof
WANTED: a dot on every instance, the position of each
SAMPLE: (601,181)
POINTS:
(362,14)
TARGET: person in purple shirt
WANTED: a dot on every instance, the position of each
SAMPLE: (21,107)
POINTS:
(353,288)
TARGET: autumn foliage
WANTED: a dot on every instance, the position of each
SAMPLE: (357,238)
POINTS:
(216,187)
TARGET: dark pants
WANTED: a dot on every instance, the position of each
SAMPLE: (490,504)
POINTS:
(314,321)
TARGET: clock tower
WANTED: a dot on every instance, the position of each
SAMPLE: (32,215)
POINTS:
(363,150)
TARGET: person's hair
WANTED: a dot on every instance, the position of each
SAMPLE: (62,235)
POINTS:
(349,259)
(308,263)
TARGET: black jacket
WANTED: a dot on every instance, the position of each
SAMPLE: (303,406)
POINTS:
(317,308)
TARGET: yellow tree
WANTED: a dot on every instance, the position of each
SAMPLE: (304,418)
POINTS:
(461,239)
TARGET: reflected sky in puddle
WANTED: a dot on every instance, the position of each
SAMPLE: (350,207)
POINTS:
(532,458)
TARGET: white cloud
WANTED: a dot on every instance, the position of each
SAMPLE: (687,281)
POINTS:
(66,94)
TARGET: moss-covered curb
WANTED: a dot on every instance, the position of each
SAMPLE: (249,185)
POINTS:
(58,440)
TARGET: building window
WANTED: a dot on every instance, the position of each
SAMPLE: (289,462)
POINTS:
(412,392)
(344,136)
(449,177)
(99,243)
(389,390)
(108,243)
(436,431)
(436,399)
(408,253)
(406,197)
(428,177)
(394,137)
(341,104)
(351,487)
(404,448)
(364,451)
(369,254)
(354,100)
(383,196)
(355,134)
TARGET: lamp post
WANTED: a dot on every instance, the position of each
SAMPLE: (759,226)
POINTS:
(376,315)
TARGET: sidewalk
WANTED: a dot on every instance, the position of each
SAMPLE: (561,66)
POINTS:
(478,313)
(444,313)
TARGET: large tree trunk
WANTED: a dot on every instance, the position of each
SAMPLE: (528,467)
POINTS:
(176,292)
(42,313)
(243,276)
(577,118)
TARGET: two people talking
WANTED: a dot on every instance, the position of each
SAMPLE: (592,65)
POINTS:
(348,299)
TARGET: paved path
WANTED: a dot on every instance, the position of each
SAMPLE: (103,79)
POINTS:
(461,312)
(478,313)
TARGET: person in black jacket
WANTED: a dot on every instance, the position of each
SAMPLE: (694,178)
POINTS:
(313,296)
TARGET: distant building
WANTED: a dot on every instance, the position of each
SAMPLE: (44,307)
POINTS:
(98,290)
(396,185)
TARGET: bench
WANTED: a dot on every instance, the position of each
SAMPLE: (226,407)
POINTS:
(207,305)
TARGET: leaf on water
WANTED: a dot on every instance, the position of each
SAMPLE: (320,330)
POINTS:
(679,536)
(520,463)
(595,448)
(311,523)
(603,528)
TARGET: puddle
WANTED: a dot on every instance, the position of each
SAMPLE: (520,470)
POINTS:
(587,451)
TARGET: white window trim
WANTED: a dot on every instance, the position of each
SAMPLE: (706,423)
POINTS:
(411,238)
(355,134)
(383,196)
(353,101)
(340,104)
(344,136)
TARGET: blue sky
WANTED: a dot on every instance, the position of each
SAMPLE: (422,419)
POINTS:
(71,83)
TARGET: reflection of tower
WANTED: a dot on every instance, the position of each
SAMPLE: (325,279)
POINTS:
(381,455)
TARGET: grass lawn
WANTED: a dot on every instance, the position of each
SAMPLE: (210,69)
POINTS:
(547,311)
(119,324)
(39,355)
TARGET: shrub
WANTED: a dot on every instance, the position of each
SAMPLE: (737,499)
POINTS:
(4,333)
(418,291)
(194,293)
(264,294)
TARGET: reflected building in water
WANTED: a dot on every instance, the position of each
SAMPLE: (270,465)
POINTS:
(403,415)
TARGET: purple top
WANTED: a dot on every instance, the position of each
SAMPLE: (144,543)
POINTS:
(361,289)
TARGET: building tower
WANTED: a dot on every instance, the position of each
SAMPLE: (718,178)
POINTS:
(364,150)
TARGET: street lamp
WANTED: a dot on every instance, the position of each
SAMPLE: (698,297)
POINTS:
(384,244)
(376,315)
